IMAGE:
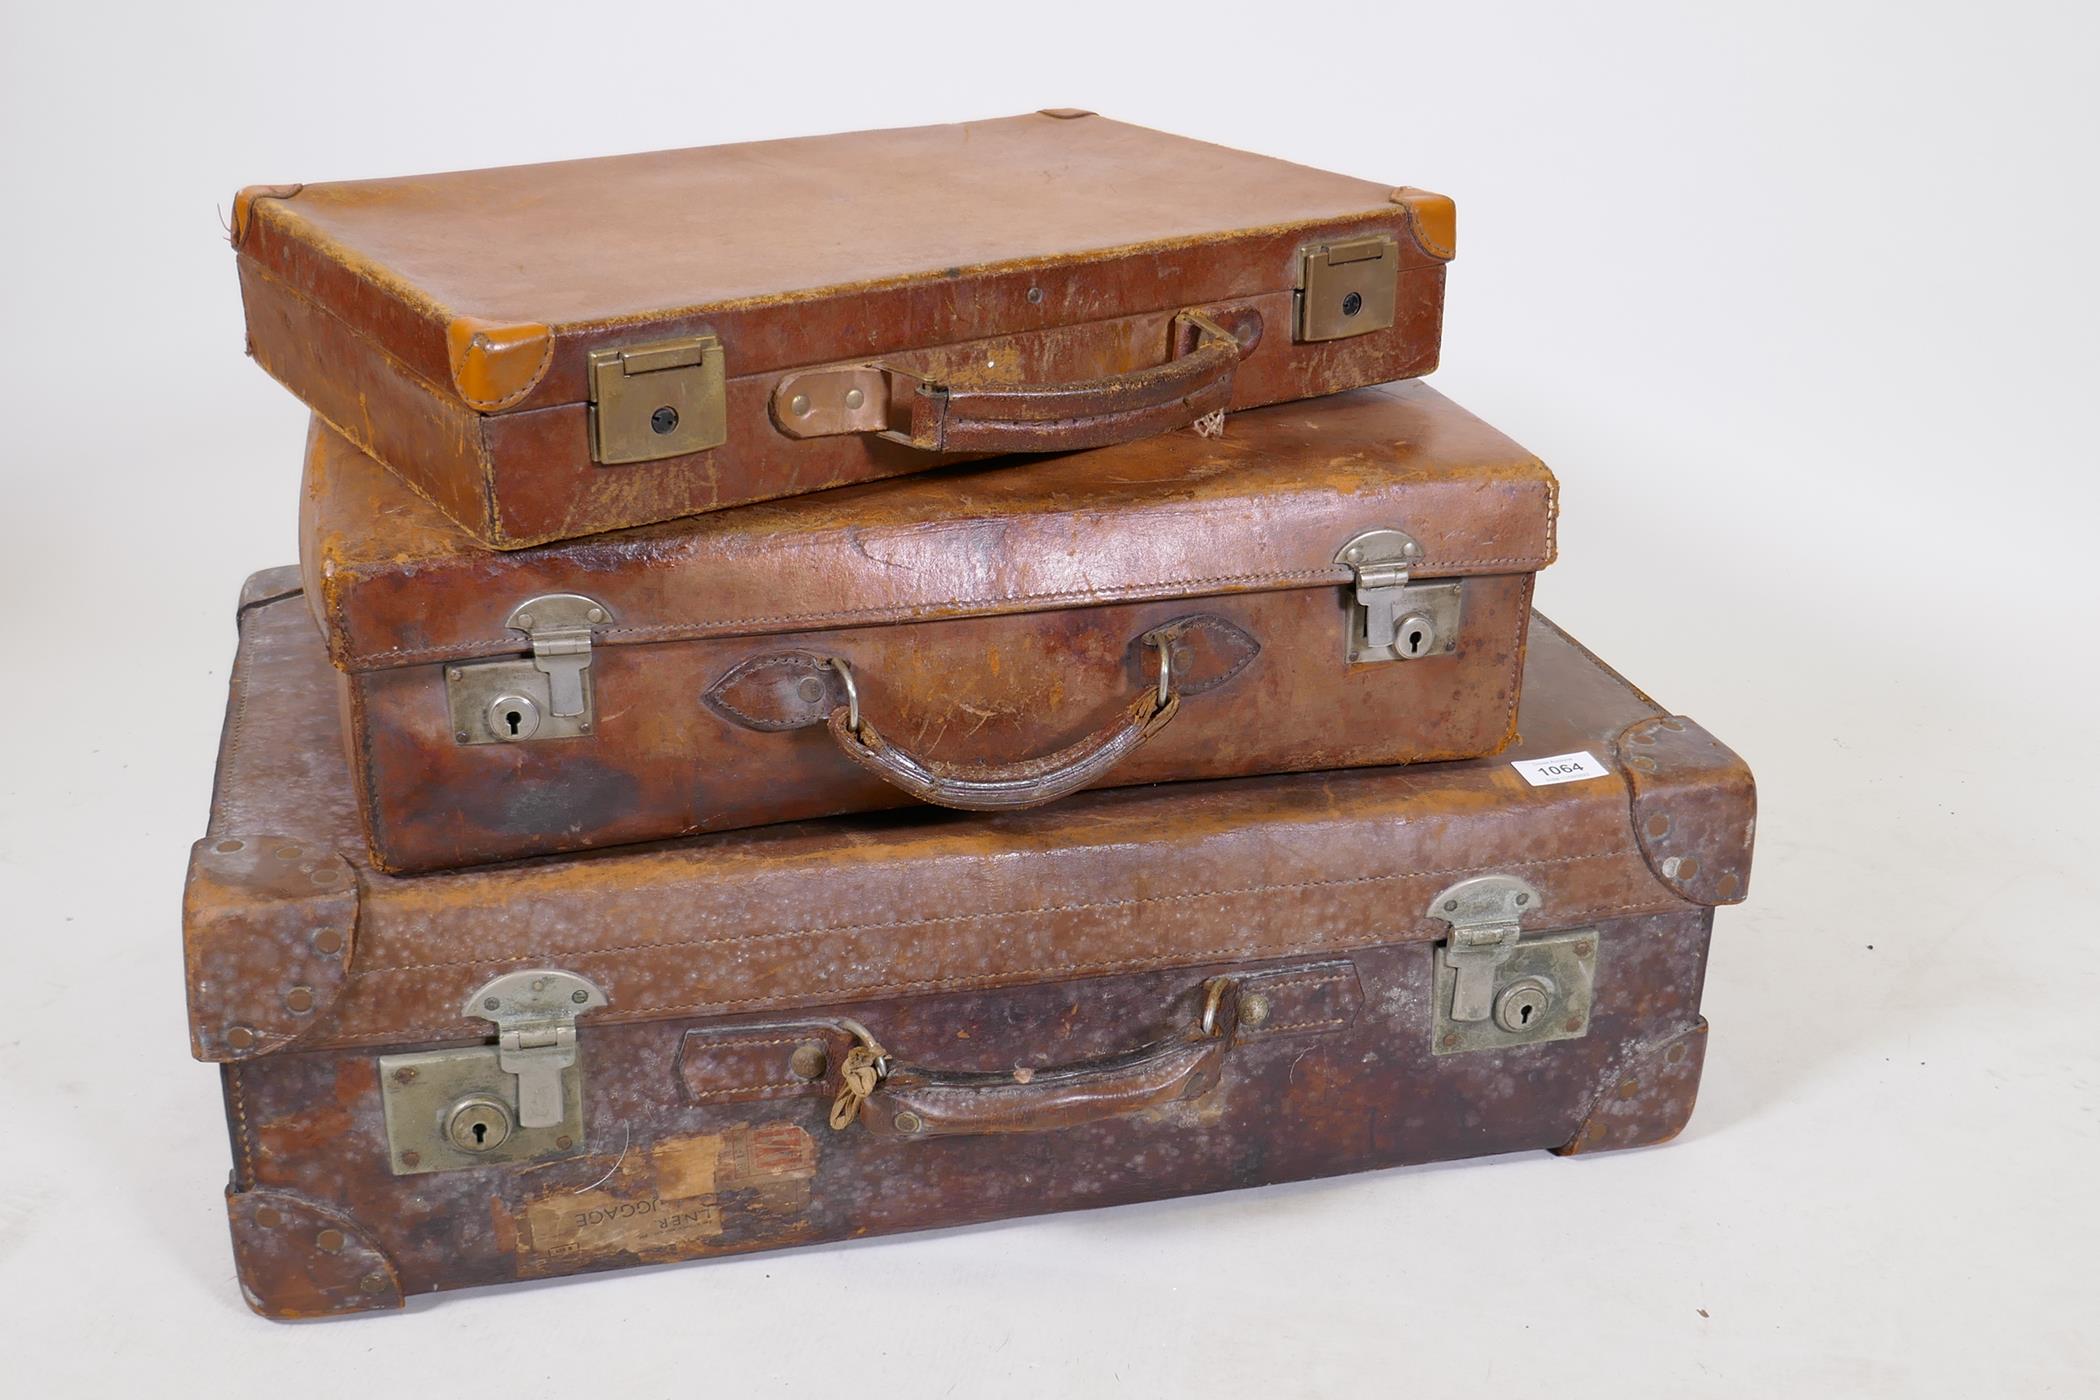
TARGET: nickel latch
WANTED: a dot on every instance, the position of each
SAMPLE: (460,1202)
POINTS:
(1394,619)
(548,697)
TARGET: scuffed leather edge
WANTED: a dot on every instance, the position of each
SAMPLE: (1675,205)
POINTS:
(269,925)
(1649,1101)
(1694,808)
(267,586)
(496,364)
(1432,219)
(244,205)
(296,1258)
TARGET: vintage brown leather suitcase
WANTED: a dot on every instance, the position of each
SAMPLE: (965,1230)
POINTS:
(1325,586)
(890,1022)
(550,351)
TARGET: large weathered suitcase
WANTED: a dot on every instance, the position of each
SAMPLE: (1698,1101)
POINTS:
(884,1023)
(549,351)
(1317,589)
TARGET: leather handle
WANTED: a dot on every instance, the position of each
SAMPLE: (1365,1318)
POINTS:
(1007,786)
(1195,380)
(1089,413)
(910,1101)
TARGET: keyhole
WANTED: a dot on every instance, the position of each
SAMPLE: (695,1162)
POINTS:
(1414,640)
(1352,303)
(1523,1018)
(512,718)
(664,419)
(481,1130)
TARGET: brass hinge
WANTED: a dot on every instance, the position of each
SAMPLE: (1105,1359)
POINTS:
(665,399)
(549,697)
(1394,619)
(1347,288)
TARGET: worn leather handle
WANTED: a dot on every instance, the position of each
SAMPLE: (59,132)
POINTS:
(1009,786)
(904,406)
(910,1101)
(1089,413)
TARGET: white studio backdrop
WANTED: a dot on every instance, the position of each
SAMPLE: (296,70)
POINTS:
(1796,299)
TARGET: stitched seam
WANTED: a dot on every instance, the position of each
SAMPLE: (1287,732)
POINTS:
(746,1090)
(240,1120)
(829,929)
(1331,1023)
(904,611)
(880,989)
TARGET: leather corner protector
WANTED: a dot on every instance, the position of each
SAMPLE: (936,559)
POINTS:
(268,924)
(494,365)
(1065,114)
(775,691)
(1694,808)
(778,1060)
(244,205)
(298,1259)
(1432,219)
(1204,651)
(1649,1101)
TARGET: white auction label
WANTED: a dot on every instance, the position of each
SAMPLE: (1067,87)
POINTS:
(1561,768)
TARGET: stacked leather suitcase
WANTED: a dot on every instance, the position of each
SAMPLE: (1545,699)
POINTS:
(831,679)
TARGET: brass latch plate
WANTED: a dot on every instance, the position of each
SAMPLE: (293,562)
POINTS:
(1347,288)
(664,399)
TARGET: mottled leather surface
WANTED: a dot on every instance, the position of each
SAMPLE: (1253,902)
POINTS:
(991,946)
(992,255)
(779,919)
(990,615)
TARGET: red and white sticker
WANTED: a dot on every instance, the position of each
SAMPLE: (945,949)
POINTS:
(1561,768)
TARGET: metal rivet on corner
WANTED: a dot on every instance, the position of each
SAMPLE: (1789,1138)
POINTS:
(1658,826)
(1687,868)
(325,876)
(374,1283)
(329,1240)
(411,1158)
(300,999)
(1572,1025)
(1254,1009)
(288,853)
(460,736)
(328,942)
(1674,726)
(908,1122)
(269,1217)
(229,847)
(583,726)
(1676,1054)
(1450,1039)
(564,1142)
(1728,886)
(1628,1088)
(405,1075)
(239,1037)
(1582,949)
(455,674)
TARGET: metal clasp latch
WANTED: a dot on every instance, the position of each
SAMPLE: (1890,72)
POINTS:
(548,697)
(535,1015)
(1484,913)
(1395,619)
(665,399)
(1348,288)
(519,1100)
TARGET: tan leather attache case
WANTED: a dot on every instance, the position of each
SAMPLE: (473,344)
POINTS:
(1322,587)
(838,1029)
(550,351)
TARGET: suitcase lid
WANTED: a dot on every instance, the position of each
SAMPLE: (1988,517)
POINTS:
(1269,505)
(293,942)
(490,284)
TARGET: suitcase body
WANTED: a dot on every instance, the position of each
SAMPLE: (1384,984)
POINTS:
(551,351)
(983,637)
(885,1023)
